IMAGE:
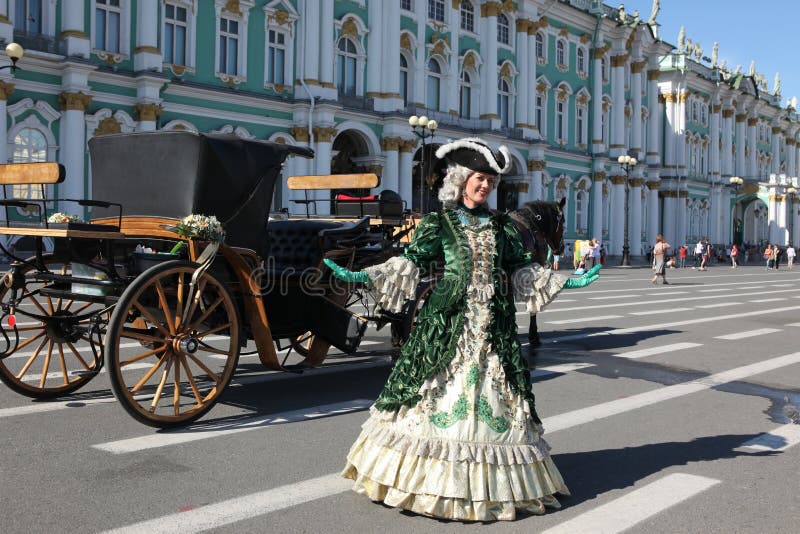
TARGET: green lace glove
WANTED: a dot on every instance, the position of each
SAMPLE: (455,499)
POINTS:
(345,274)
(594,270)
(583,281)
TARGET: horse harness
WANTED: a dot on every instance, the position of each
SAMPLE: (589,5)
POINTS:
(534,239)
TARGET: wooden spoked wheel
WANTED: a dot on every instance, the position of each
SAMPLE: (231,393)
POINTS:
(186,345)
(56,351)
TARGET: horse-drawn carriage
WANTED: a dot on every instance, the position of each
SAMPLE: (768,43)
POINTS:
(166,321)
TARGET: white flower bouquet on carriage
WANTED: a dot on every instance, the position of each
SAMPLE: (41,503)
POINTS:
(62,218)
(202,227)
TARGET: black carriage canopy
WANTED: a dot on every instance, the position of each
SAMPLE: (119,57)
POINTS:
(174,174)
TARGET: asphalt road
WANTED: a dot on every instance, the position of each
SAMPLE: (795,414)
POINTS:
(664,406)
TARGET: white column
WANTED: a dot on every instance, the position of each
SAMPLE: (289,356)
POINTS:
(323,138)
(794,208)
(406,168)
(727,143)
(6,89)
(773,217)
(776,150)
(391,169)
(617,224)
(536,187)
(636,103)
(791,161)
(618,145)
(313,42)
(299,167)
(635,223)
(73,142)
(420,66)
(682,219)
(452,96)
(752,147)
(670,134)
(6,26)
(714,233)
(597,103)
(653,227)
(375,49)
(741,142)
(72,28)
(146,55)
(530,67)
(680,134)
(653,121)
(713,149)
(597,205)
(489,14)
(326,46)
(523,88)
(669,230)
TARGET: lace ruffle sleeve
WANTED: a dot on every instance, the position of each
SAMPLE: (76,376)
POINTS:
(393,282)
(536,286)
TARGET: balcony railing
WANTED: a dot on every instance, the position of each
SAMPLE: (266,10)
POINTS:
(38,41)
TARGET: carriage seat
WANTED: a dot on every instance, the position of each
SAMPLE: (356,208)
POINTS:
(387,205)
(301,243)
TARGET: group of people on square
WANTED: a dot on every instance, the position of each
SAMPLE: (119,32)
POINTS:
(703,254)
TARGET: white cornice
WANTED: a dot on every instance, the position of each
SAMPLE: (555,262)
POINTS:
(228,98)
(228,116)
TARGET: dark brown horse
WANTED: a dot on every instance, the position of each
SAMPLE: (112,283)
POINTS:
(541,225)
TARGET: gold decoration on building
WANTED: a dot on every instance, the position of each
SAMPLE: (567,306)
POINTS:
(582,99)
(667,194)
(523,25)
(585,38)
(147,112)
(375,169)
(741,117)
(620,60)
(627,112)
(405,41)
(508,7)
(727,113)
(563,32)
(300,134)
(109,125)
(606,106)
(716,108)
(791,142)
(439,48)
(752,121)
(456,4)
(74,101)
(324,135)
(683,97)
(78,34)
(535,165)
(776,129)
(6,90)
(178,70)
(543,22)
(505,70)
(652,185)
(469,61)
(541,87)
(600,51)
(491,9)
(636,182)
(605,189)
(653,74)
(618,180)
(408,145)
(232,6)
(146,49)
(599,176)
(638,66)
(349,27)
(280,17)
(391,144)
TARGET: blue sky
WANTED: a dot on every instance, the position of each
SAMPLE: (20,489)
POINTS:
(763,31)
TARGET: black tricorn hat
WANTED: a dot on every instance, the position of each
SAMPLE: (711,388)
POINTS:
(475,154)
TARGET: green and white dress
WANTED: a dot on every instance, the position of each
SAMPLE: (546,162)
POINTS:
(454,434)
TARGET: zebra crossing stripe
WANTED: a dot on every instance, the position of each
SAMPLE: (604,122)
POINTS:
(661,349)
(636,506)
(780,439)
(749,333)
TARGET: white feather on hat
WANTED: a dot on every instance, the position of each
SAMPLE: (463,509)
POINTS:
(475,154)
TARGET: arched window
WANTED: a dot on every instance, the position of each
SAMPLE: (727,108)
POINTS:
(404,79)
(581,60)
(434,84)
(504,102)
(579,206)
(561,55)
(30,146)
(346,62)
(467,16)
(539,46)
(465,103)
(502,29)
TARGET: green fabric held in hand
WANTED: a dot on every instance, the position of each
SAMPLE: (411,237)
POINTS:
(594,270)
(344,274)
(583,281)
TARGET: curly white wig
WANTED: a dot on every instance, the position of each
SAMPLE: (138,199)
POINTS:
(453,185)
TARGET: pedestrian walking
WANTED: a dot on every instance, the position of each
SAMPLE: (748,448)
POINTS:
(776,255)
(454,434)
(790,255)
(698,254)
(659,252)
(768,257)
(682,257)
(734,256)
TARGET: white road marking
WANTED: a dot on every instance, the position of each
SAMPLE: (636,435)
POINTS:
(616,297)
(780,439)
(636,506)
(212,430)
(662,349)
(718,305)
(749,333)
(767,300)
(715,290)
(240,508)
(559,369)
(667,293)
(751,287)
(585,319)
(782,285)
(53,406)
(658,312)
(793,324)
(615,407)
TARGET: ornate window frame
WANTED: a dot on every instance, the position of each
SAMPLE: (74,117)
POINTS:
(191,35)
(467,15)
(505,35)
(48,16)
(241,18)
(540,40)
(352,27)
(280,17)
(582,99)
(124,33)
(582,63)
(562,54)
(540,101)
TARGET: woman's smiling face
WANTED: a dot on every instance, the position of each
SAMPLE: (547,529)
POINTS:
(477,188)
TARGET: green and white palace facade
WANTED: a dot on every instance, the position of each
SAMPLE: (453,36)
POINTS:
(567,85)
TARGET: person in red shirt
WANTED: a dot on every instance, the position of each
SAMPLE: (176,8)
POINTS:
(682,257)
(734,256)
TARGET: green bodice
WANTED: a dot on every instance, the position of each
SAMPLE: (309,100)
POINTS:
(432,344)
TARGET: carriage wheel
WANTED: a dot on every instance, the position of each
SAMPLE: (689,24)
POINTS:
(312,348)
(401,331)
(56,355)
(187,345)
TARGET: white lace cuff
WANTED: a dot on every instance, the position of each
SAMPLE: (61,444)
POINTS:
(536,286)
(393,282)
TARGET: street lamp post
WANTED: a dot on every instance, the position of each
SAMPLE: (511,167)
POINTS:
(422,128)
(627,163)
(14,53)
(735,183)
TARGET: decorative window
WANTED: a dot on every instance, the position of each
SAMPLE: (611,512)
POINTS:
(561,53)
(695,111)
(502,29)
(28,16)
(107,25)
(407,5)
(276,57)
(467,16)
(539,111)
(434,85)
(346,63)
(504,103)
(404,79)
(231,40)
(30,146)
(580,56)
(581,213)
(175,34)
(561,125)
(228,46)
(465,101)
(540,50)
(581,127)
(436,10)
(704,114)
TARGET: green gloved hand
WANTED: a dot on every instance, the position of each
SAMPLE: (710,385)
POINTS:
(594,270)
(583,281)
(345,274)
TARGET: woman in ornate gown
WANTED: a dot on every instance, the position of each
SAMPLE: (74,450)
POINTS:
(455,433)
